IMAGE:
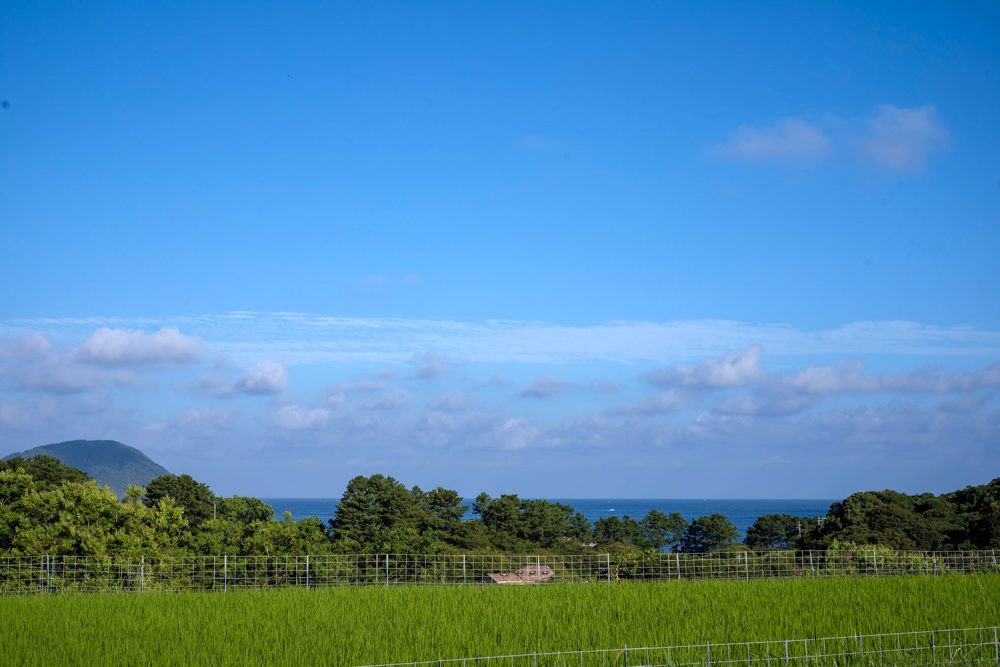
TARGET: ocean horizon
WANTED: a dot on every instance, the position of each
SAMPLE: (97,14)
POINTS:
(741,512)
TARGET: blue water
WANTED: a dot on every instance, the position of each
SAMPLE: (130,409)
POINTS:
(742,513)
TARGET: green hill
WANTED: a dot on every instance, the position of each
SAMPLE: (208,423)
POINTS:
(107,461)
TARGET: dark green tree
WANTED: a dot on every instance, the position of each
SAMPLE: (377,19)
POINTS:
(621,530)
(244,509)
(708,533)
(195,498)
(377,514)
(662,531)
(887,518)
(47,471)
(774,531)
(441,511)
(502,519)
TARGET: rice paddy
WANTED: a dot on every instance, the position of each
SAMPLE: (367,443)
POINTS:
(353,626)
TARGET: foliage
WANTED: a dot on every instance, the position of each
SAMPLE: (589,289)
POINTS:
(969,518)
(514,524)
(47,471)
(623,530)
(47,507)
(708,533)
(196,498)
(662,531)
(378,513)
(773,531)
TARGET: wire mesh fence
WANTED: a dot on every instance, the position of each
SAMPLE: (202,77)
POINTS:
(51,573)
(794,563)
(968,646)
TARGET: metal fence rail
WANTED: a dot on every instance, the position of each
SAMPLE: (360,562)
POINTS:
(51,573)
(967,646)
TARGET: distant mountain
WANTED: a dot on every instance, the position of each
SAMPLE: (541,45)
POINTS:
(107,461)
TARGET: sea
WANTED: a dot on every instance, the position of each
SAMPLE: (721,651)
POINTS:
(742,513)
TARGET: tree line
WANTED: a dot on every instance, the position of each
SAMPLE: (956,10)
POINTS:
(49,508)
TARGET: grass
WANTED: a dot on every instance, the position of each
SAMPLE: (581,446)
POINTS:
(352,626)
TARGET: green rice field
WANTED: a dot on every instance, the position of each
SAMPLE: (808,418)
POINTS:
(354,626)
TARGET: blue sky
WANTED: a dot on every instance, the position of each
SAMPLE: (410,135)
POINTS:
(654,249)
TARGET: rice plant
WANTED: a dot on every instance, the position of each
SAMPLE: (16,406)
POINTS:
(354,626)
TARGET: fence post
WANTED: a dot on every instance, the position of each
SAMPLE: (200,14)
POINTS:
(708,653)
(142,574)
(746,564)
(608,557)
(463,570)
(625,656)
(786,651)
(677,559)
(933,649)
(387,570)
(307,570)
(996,645)
(225,573)
(875,561)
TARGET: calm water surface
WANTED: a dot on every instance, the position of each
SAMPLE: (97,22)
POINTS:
(741,512)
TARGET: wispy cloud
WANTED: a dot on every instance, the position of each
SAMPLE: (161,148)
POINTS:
(265,377)
(901,139)
(32,363)
(301,338)
(428,366)
(788,140)
(661,404)
(775,395)
(297,418)
(892,137)
(733,370)
(545,387)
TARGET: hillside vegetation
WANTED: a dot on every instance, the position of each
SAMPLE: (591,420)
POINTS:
(45,508)
(106,461)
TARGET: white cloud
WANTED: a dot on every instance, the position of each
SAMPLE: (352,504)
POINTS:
(545,387)
(660,404)
(766,405)
(788,140)
(30,345)
(784,394)
(842,377)
(305,339)
(126,347)
(900,138)
(32,363)
(265,377)
(515,434)
(297,418)
(735,369)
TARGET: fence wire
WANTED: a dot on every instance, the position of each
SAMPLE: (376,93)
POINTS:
(965,646)
(56,573)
